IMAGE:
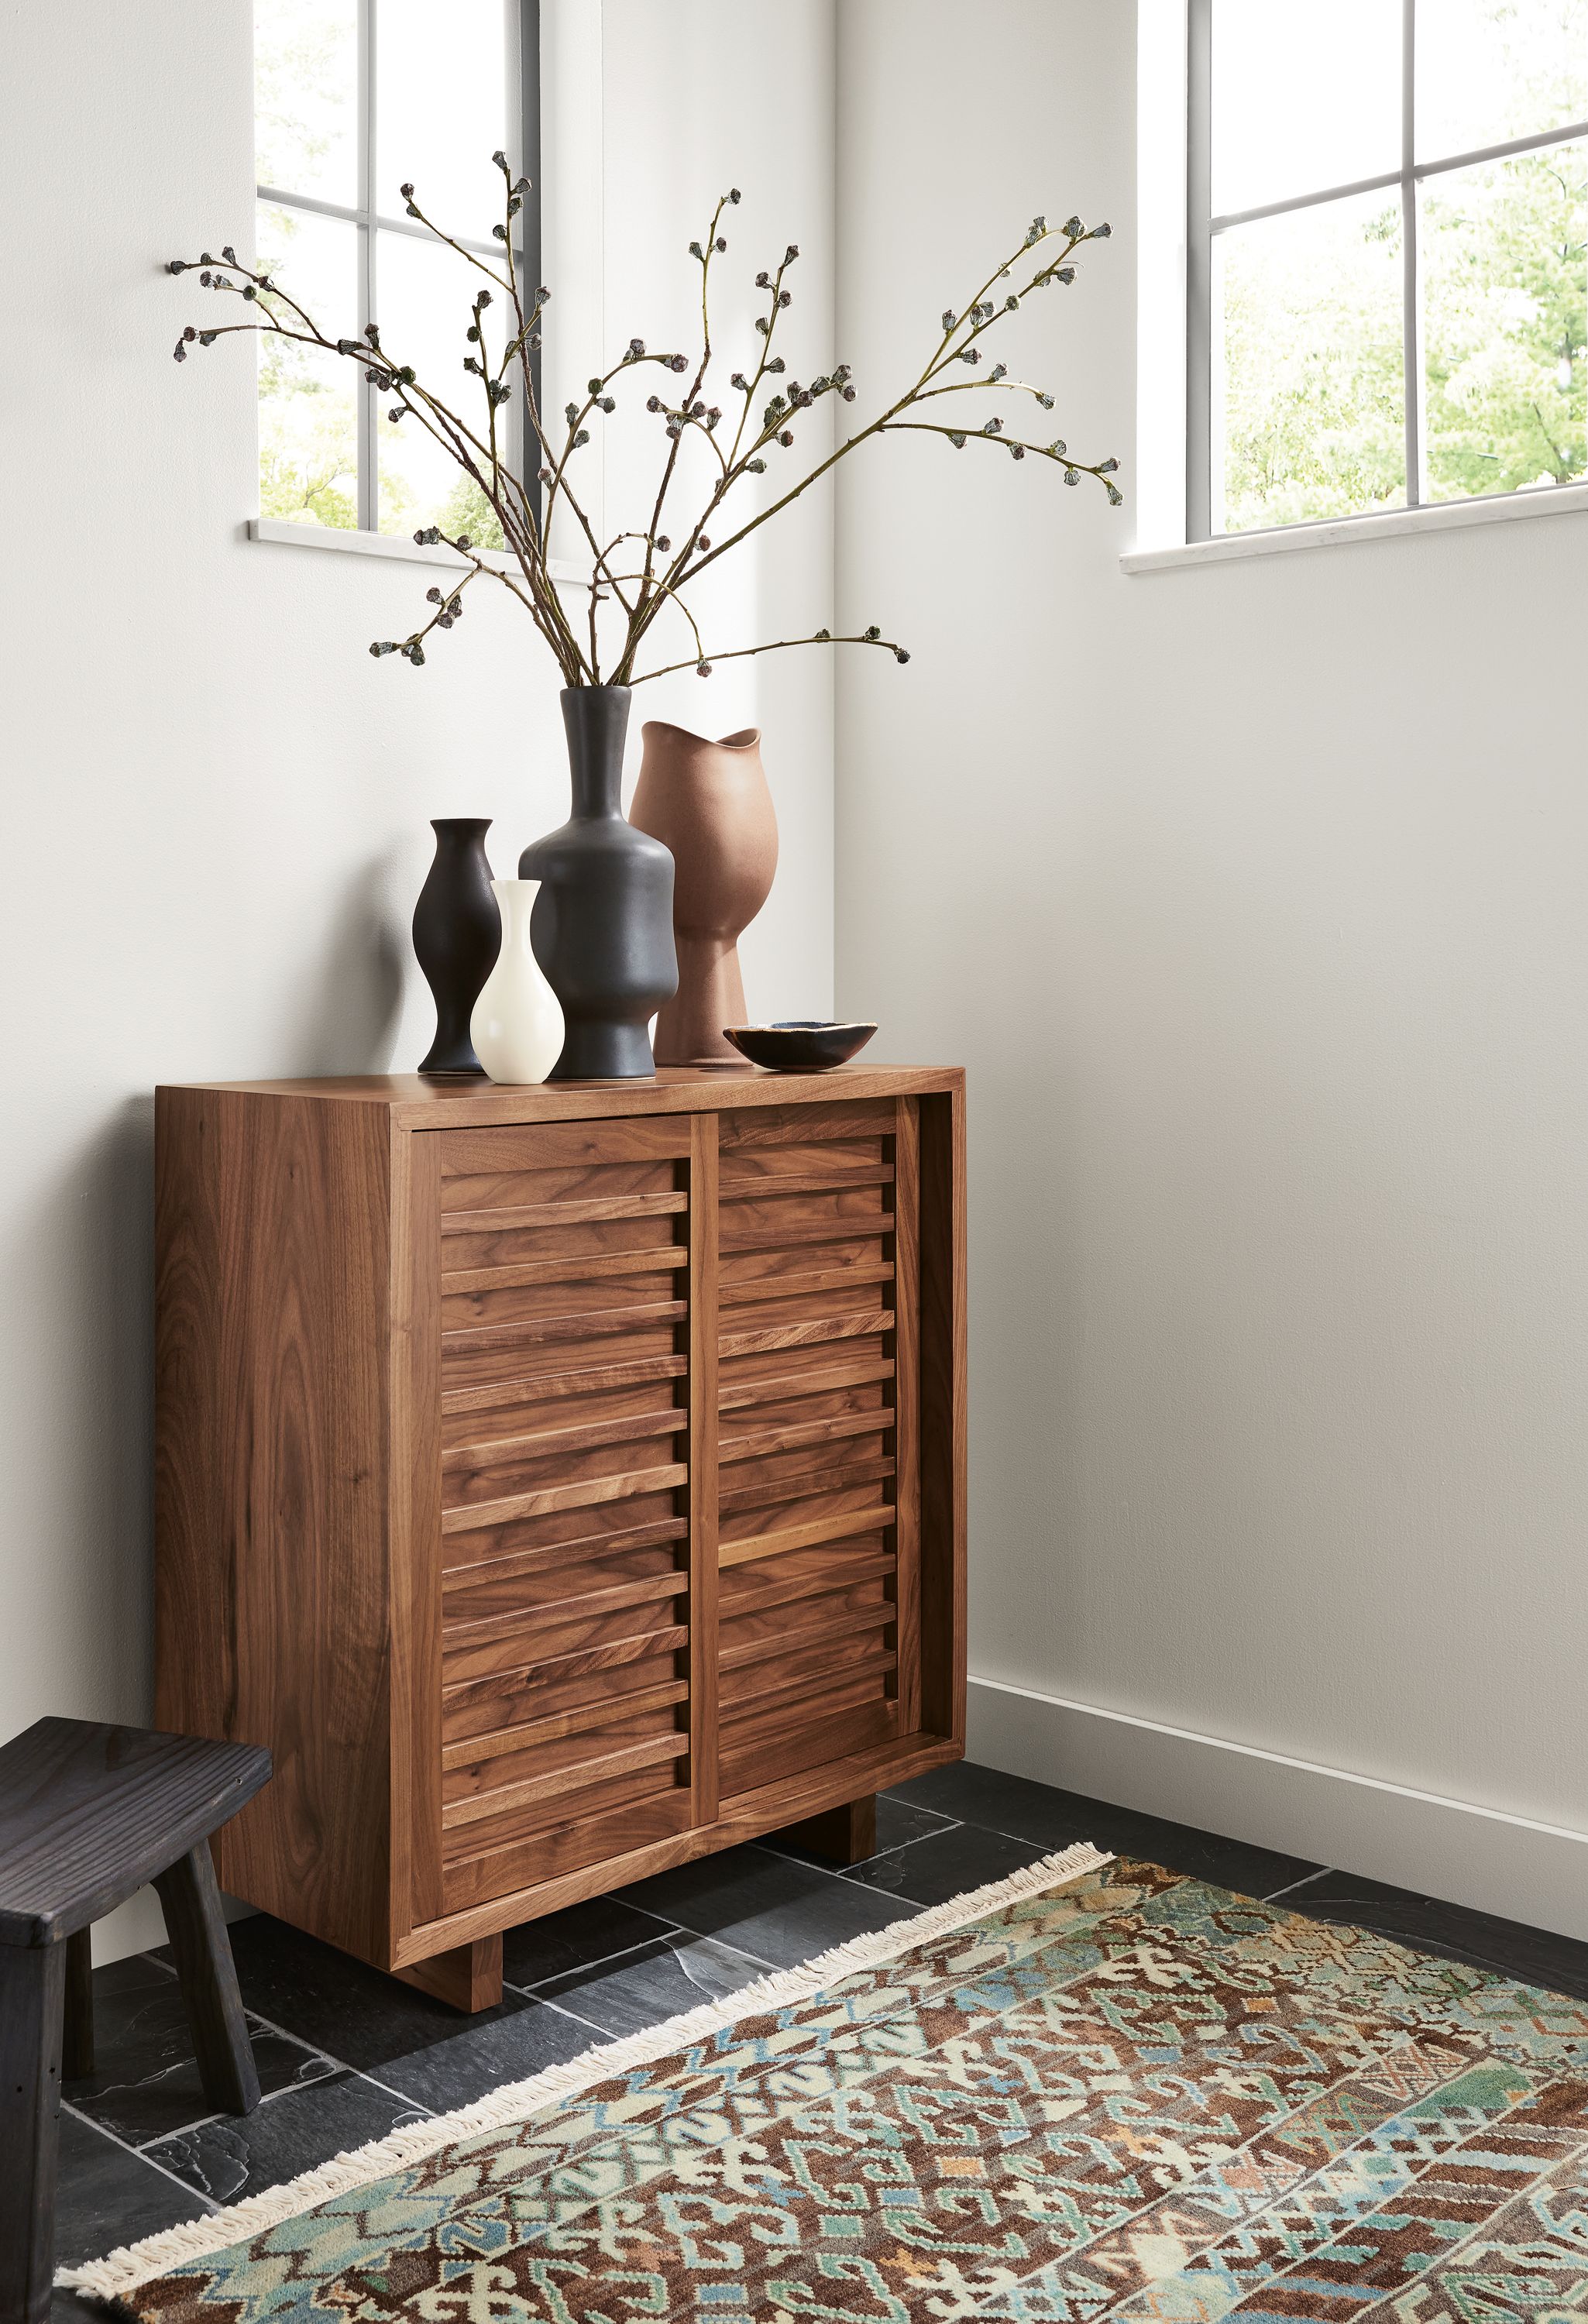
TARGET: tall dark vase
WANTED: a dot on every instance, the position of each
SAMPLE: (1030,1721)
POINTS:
(602,925)
(456,935)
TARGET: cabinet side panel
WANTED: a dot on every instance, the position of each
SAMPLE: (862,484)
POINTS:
(943,1414)
(272,1517)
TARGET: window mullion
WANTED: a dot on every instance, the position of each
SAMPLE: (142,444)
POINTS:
(1411,298)
(368,474)
(1199,270)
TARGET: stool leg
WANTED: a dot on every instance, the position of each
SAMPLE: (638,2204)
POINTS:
(197,1931)
(77,2060)
(33,1985)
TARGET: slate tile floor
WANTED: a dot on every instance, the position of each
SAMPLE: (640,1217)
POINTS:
(346,2055)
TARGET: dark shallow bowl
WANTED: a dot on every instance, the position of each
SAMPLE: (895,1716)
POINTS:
(799,1046)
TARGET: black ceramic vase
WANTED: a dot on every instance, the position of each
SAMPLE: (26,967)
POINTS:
(602,924)
(457,936)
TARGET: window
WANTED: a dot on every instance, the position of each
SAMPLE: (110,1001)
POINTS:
(1386,274)
(352,98)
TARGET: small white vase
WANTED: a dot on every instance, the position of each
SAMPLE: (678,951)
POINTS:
(516,1027)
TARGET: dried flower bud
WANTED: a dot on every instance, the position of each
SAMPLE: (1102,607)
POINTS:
(1106,468)
(653,404)
(678,363)
(849,395)
(543,475)
(521,186)
(873,634)
(542,295)
(763,280)
(608,404)
(464,542)
(592,386)
(704,542)
(777,365)
(483,301)
(734,195)
(791,254)
(970,355)
(204,280)
(755,468)
(785,297)
(500,231)
(1058,447)
(994,427)
(843,372)
(581,438)
(696,251)
(1011,304)
(823,638)
(719,243)
(426,536)
(1099,233)
(956,438)
(703,670)
(205,259)
(901,653)
(176,265)
(786,439)
(663,543)
(1071,476)
(207,338)
(1018,451)
(762,325)
(371,332)
(740,382)
(406,191)
(249,292)
(1115,497)
(443,621)
(570,412)
(180,352)
(384,646)
(500,158)
(674,430)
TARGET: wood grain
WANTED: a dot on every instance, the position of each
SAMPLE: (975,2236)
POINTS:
(451,1337)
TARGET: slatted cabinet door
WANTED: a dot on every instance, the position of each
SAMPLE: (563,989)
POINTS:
(818,1492)
(564,1711)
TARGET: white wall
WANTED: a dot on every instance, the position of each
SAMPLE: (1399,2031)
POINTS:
(1256,900)
(216,802)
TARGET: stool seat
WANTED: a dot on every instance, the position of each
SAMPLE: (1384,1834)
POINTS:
(88,1814)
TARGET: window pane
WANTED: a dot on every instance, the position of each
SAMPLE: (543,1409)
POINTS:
(426,296)
(1305,96)
(308,409)
(441,110)
(306,98)
(1505,295)
(1489,70)
(1309,390)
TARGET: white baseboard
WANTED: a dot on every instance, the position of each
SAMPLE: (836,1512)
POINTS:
(1494,1861)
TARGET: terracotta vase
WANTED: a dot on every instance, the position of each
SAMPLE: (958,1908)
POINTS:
(709,803)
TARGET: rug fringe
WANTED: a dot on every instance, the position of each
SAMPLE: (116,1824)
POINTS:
(120,2271)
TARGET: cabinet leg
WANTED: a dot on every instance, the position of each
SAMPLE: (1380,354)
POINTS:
(847,1834)
(33,1989)
(202,1950)
(468,1977)
(76,2058)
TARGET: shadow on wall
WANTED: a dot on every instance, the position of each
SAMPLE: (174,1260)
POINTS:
(352,1001)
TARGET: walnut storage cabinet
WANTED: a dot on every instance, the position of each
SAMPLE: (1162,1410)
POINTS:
(562,1481)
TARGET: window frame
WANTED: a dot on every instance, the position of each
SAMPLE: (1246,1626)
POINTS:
(522,19)
(1203,227)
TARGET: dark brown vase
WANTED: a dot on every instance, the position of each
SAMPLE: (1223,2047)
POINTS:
(709,803)
(456,935)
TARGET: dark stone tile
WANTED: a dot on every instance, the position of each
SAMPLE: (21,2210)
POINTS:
(499,2045)
(107,2197)
(1430,1924)
(898,1822)
(145,2083)
(571,1940)
(960,1857)
(231,2156)
(1054,1819)
(768,1906)
(360,2017)
(659,1981)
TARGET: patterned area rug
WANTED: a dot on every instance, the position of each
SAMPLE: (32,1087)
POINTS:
(1131,2096)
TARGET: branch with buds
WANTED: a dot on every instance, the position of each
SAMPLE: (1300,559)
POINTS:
(738,445)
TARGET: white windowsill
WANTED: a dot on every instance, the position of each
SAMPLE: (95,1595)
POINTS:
(386,544)
(1393,524)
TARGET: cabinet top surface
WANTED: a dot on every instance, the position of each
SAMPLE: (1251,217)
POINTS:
(421,1101)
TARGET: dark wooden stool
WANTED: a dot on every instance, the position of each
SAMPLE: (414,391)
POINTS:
(87,1815)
